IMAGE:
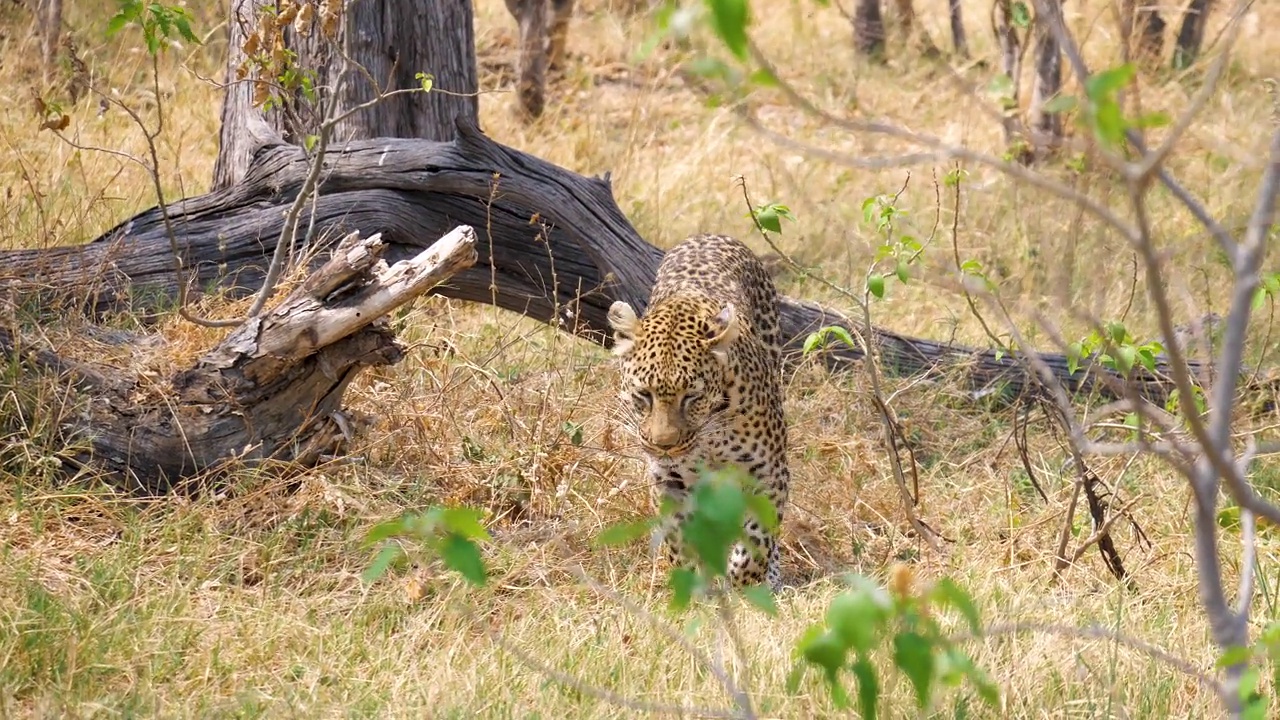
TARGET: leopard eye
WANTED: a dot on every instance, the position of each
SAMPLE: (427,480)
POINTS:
(687,401)
(643,400)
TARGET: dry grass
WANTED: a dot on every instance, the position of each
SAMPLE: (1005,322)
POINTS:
(249,604)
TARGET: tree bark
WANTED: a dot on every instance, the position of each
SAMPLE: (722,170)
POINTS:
(1046,127)
(868,30)
(50,17)
(391,40)
(1006,32)
(1143,28)
(1191,34)
(906,16)
(543,30)
(958,40)
(271,391)
(555,247)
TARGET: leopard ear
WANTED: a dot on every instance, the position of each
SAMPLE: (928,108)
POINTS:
(622,318)
(723,330)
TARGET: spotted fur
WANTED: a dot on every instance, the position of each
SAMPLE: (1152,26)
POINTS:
(701,376)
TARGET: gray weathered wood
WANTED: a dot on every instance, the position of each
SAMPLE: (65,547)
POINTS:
(392,40)
(1191,34)
(553,245)
(1046,127)
(271,391)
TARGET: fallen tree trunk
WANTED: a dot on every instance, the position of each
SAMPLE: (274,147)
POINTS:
(272,390)
(553,246)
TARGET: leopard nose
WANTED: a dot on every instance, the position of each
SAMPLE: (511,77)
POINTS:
(665,438)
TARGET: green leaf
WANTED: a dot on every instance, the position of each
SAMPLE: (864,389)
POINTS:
(1117,332)
(1109,124)
(385,529)
(117,22)
(856,618)
(839,697)
(913,654)
(795,676)
(1105,84)
(1270,637)
(1075,353)
(184,28)
(761,597)
(1125,357)
(768,219)
(623,533)
(1059,104)
(1001,86)
(1254,706)
(1237,655)
(842,335)
(711,68)
(574,431)
(875,284)
(868,687)
(1154,120)
(464,522)
(463,556)
(682,582)
(715,523)
(947,592)
(388,555)
(981,682)
(1147,358)
(1021,15)
(823,335)
(812,342)
(869,210)
(1101,88)
(811,633)
(764,511)
(729,18)
(763,78)
(827,651)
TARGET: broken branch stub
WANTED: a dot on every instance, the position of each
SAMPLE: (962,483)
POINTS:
(272,390)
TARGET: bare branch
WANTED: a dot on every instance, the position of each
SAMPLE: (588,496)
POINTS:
(1068,44)
(1101,633)
(1249,537)
(942,150)
(1152,161)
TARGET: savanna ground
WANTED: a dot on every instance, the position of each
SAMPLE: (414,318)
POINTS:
(250,603)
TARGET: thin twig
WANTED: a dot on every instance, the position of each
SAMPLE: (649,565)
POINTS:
(1155,159)
(955,253)
(1248,563)
(1096,632)
(289,229)
(1069,47)
(942,150)
(585,688)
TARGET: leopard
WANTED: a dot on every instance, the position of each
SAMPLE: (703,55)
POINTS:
(701,387)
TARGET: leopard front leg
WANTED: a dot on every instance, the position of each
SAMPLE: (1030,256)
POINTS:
(668,485)
(758,558)
(755,560)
